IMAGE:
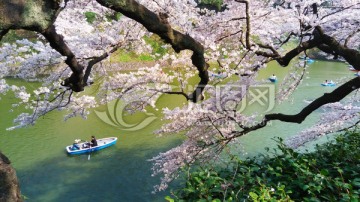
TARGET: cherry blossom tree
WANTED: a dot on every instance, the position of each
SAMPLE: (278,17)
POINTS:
(240,39)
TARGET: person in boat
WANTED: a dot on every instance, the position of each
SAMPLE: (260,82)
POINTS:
(93,142)
(331,82)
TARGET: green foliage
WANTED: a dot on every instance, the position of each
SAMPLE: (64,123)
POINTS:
(10,37)
(330,173)
(124,56)
(157,45)
(23,197)
(144,57)
(90,16)
(113,16)
(158,50)
(216,3)
(13,35)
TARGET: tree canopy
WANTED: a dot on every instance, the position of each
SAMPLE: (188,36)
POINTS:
(75,40)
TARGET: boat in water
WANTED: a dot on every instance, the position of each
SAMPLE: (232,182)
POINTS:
(218,75)
(308,60)
(328,84)
(82,147)
(274,80)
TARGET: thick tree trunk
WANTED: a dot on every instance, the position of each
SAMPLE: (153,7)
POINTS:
(9,185)
(34,15)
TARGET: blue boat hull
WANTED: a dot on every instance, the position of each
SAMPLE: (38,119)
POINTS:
(273,80)
(308,60)
(102,144)
(328,84)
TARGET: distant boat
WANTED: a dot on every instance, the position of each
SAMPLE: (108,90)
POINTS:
(331,83)
(219,75)
(80,148)
(308,60)
(274,80)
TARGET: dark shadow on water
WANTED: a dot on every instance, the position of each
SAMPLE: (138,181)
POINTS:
(111,174)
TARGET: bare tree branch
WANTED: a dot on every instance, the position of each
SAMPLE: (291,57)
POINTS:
(246,2)
(275,53)
(172,93)
(335,96)
(285,60)
(98,59)
(338,11)
(352,56)
(229,35)
(75,81)
(287,38)
(349,127)
(350,36)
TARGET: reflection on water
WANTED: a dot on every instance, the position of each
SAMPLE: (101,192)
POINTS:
(122,172)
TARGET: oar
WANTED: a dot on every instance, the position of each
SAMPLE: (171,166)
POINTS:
(89,152)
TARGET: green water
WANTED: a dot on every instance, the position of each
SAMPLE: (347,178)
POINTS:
(122,172)
(309,89)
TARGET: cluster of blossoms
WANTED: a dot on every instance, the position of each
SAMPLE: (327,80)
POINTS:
(144,85)
(208,126)
(26,59)
(337,116)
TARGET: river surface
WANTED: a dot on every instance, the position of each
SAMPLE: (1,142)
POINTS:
(123,172)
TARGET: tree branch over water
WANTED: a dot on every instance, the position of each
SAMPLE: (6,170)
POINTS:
(159,25)
(75,81)
(335,96)
(329,45)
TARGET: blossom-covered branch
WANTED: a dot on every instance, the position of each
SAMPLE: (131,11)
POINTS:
(158,24)
(75,81)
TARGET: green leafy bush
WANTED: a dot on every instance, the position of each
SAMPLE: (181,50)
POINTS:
(157,45)
(113,16)
(144,57)
(158,50)
(330,173)
(90,16)
(13,35)
(216,3)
